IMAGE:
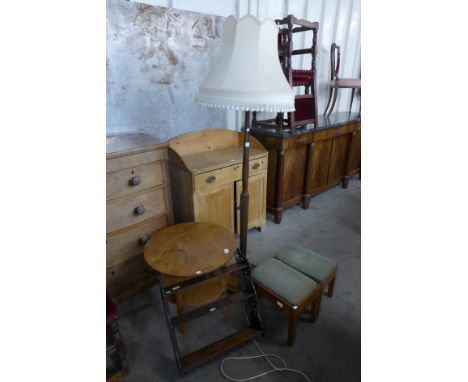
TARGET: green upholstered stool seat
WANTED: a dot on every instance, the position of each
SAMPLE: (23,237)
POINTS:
(284,281)
(308,262)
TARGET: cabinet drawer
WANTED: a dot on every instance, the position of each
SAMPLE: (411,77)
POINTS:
(135,208)
(257,166)
(212,179)
(128,161)
(129,278)
(334,132)
(125,182)
(125,245)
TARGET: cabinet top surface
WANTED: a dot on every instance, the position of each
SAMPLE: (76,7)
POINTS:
(130,143)
(211,160)
(334,120)
(189,249)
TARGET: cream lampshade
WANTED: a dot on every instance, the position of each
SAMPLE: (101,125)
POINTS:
(248,75)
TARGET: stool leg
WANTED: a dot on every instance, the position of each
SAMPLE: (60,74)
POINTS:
(331,287)
(315,307)
(292,328)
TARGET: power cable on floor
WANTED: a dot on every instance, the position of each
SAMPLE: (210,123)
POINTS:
(274,368)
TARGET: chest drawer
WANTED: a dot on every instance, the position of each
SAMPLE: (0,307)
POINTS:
(135,208)
(133,160)
(212,179)
(125,182)
(124,245)
(126,279)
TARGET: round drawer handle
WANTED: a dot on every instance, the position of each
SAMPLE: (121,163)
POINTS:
(139,210)
(134,180)
(210,179)
(300,140)
(142,240)
(255,166)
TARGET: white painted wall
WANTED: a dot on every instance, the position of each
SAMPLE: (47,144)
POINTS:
(340,22)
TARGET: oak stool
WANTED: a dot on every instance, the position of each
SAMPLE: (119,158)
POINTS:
(294,279)
(289,289)
(319,268)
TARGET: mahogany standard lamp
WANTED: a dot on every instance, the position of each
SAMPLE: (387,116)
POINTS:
(247,76)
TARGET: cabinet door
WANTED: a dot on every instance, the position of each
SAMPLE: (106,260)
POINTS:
(356,157)
(257,201)
(320,165)
(339,157)
(294,172)
(215,206)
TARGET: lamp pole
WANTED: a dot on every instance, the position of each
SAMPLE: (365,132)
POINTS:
(244,199)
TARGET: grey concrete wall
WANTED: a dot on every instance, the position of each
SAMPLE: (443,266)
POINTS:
(156,60)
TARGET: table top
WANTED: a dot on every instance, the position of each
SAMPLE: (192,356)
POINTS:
(334,120)
(189,249)
(131,143)
(214,159)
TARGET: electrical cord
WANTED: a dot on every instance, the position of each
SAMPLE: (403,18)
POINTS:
(274,368)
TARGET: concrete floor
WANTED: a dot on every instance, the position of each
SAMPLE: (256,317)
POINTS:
(328,350)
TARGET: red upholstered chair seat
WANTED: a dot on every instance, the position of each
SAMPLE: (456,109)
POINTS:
(302,77)
(305,108)
(347,83)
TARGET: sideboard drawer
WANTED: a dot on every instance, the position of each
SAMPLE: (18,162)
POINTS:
(135,208)
(125,182)
(212,179)
(124,245)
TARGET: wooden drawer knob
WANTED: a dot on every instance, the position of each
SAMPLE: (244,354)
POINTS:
(255,166)
(210,179)
(134,180)
(139,210)
(142,240)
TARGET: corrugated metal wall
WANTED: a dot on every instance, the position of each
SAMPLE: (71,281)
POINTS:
(340,22)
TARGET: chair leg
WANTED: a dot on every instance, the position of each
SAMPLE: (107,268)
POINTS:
(352,98)
(292,328)
(331,287)
(330,95)
(119,346)
(335,95)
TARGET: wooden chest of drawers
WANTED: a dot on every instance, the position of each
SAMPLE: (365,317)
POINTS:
(206,172)
(138,204)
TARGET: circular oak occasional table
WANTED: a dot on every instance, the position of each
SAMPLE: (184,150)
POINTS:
(187,250)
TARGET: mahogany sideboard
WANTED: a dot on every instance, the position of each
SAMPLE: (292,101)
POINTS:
(206,170)
(138,204)
(305,162)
